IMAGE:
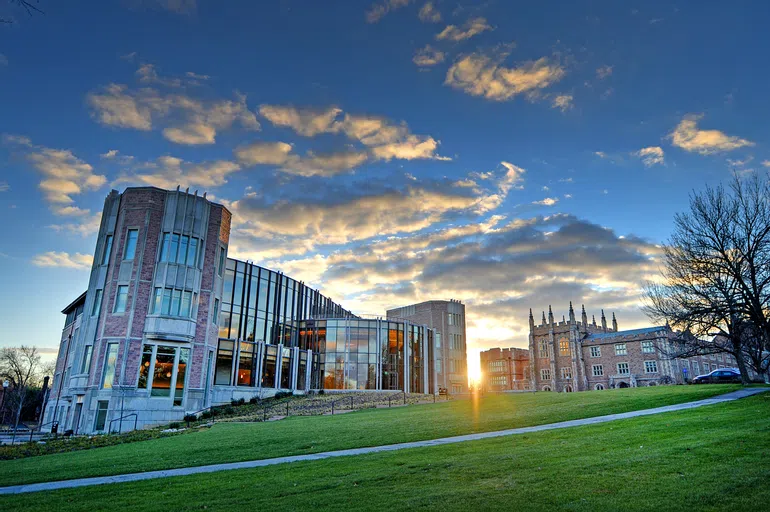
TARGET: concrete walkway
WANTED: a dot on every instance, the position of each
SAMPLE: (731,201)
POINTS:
(134,477)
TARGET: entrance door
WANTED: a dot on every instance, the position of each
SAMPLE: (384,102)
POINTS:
(76,418)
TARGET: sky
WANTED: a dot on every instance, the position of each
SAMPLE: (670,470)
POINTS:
(508,155)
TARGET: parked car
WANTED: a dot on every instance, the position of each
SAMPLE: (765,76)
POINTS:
(719,376)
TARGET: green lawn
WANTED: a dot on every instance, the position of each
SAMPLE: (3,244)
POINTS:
(712,458)
(231,442)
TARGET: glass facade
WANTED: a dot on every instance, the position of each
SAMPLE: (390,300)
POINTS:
(275,332)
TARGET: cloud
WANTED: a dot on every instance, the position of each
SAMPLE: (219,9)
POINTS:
(601,154)
(4,186)
(378,10)
(689,137)
(84,225)
(109,154)
(548,201)
(64,174)
(603,72)
(562,102)
(428,56)
(264,153)
(652,155)
(279,154)
(192,122)
(168,172)
(469,29)
(307,122)
(429,14)
(382,138)
(63,260)
(483,75)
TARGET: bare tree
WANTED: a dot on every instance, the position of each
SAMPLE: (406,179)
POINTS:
(716,274)
(21,367)
(26,5)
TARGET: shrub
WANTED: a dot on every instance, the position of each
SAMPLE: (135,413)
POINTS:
(321,392)
(254,400)
(228,409)
(236,403)
(174,425)
(190,418)
(205,415)
(283,394)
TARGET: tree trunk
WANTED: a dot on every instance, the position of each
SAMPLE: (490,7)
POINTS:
(738,352)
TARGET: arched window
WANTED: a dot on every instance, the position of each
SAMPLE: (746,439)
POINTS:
(564,347)
(546,388)
(543,346)
(568,389)
(599,387)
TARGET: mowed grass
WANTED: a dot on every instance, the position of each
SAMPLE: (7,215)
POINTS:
(232,442)
(711,458)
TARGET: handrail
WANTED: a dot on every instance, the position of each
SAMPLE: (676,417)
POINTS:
(342,400)
(399,394)
(120,427)
(267,407)
(40,428)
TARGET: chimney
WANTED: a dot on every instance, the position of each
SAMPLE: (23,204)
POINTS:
(614,323)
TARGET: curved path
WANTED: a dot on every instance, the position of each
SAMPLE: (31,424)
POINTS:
(212,468)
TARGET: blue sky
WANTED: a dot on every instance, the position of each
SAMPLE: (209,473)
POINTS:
(506,155)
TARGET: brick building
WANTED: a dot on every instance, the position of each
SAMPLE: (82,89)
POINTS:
(505,369)
(573,355)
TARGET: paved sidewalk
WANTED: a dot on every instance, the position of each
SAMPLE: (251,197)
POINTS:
(134,477)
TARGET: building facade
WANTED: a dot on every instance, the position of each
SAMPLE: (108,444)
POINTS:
(574,355)
(170,325)
(505,369)
(447,317)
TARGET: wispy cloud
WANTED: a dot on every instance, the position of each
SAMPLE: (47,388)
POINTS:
(562,101)
(484,75)
(603,72)
(378,10)
(429,14)
(652,155)
(548,201)
(689,137)
(63,260)
(469,29)
(428,56)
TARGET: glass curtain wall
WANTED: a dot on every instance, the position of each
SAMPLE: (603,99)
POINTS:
(260,306)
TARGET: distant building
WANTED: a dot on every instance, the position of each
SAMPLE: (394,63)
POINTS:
(574,355)
(505,369)
(447,317)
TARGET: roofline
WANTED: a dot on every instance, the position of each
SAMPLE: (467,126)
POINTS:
(450,301)
(72,304)
(150,187)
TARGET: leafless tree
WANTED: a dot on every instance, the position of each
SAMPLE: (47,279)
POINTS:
(21,367)
(716,274)
(25,5)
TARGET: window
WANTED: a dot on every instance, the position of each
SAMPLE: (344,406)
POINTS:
(107,249)
(599,387)
(144,367)
(695,367)
(545,374)
(109,365)
(438,365)
(563,347)
(648,347)
(121,298)
(651,367)
(620,349)
(596,351)
(623,369)
(543,346)
(101,415)
(85,367)
(706,368)
(598,370)
(170,302)
(162,370)
(224,364)
(216,310)
(131,238)
(97,307)
(221,261)
(566,373)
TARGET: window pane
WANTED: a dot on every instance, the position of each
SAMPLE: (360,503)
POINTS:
(183,243)
(181,371)
(86,366)
(164,246)
(184,309)
(107,249)
(97,303)
(192,252)
(173,248)
(161,375)
(121,299)
(101,415)
(157,301)
(166,307)
(133,234)
(224,363)
(176,298)
(144,368)
(109,365)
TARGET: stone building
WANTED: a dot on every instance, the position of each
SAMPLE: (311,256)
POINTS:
(505,369)
(447,317)
(575,355)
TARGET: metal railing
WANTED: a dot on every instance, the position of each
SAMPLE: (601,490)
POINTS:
(120,426)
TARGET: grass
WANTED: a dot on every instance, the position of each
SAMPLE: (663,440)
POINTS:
(233,442)
(711,458)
